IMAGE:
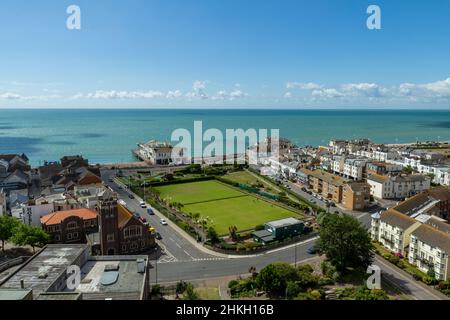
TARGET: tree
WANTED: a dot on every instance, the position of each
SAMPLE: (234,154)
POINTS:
(212,235)
(274,277)
(7,226)
(345,242)
(25,235)
(190,293)
(233,233)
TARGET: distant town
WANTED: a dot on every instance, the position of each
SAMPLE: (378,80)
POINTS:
(196,228)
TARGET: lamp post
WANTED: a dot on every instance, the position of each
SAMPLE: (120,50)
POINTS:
(295,255)
(156,265)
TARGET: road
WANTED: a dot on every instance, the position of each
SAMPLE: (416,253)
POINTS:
(184,261)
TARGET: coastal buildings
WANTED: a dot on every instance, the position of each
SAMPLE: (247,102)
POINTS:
(430,249)
(398,186)
(326,184)
(46,275)
(418,228)
(393,229)
(356,195)
(161,153)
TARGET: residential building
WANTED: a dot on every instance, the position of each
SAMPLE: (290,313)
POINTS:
(397,187)
(102,278)
(393,230)
(356,195)
(70,226)
(430,250)
(326,184)
(383,168)
(354,168)
(161,153)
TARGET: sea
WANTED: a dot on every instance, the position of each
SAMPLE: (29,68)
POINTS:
(109,135)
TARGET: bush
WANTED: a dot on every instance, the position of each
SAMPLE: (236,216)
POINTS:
(181,287)
(325,282)
(259,227)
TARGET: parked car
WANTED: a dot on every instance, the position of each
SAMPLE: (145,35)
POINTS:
(143,219)
(158,236)
(137,215)
(130,196)
(311,250)
(163,222)
(142,204)
(150,211)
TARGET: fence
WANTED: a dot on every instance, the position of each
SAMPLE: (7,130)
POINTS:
(12,263)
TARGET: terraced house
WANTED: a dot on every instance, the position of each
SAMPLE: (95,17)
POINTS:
(430,248)
(393,230)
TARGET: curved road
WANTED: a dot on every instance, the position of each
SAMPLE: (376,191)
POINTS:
(183,260)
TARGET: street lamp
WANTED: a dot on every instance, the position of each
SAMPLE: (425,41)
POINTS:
(156,265)
(295,255)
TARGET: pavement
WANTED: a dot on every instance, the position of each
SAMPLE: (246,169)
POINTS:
(185,259)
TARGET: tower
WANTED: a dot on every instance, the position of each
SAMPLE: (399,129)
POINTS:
(108,223)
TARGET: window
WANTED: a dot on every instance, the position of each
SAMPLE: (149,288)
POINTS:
(132,231)
(69,236)
(72,225)
(75,235)
(57,237)
(110,237)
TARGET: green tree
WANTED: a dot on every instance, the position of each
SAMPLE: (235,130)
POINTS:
(345,242)
(25,235)
(190,293)
(274,277)
(213,235)
(7,226)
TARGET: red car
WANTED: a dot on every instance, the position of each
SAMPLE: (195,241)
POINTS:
(143,219)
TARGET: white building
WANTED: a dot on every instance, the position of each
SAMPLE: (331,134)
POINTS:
(354,168)
(397,187)
(393,229)
(430,249)
(162,153)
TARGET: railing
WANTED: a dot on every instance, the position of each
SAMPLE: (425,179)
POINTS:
(12,263)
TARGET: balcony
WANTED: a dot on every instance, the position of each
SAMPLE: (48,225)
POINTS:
(426,262)
(388,240)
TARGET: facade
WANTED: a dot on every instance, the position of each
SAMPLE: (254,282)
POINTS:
(161,153)
(393,230)
(356,195)
(397,187)
(383,168)
(354,168)
(70,226)
(326,184)
(120,231)
(429,250)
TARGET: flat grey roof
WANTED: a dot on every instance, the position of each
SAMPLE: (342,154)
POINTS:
(53,260)
(283,222)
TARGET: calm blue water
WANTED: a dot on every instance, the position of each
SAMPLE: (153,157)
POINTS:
(105,136)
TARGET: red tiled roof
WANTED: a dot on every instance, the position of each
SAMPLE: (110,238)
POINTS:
(59,216)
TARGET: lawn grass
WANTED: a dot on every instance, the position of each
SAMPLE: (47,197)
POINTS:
(224,205)
(194,192)
(208,293)
(243,177)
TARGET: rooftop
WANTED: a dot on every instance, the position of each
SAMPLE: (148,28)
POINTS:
(283,222)
(59,216)
(433,237)
(326,176)
(397,219)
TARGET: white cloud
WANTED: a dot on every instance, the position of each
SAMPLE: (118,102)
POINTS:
(15,96)
(225,95)
(303,86)
(327,93)
(10,96)
(113,94)
(288,95)
(174,94)
(364,89)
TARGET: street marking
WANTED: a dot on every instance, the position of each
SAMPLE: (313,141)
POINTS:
(177,245)
(189,254)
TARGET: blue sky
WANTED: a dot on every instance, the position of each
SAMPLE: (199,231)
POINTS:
(225,53)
